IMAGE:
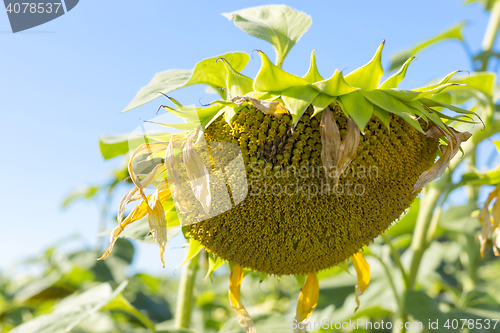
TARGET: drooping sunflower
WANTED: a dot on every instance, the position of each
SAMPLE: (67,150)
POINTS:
(287,174)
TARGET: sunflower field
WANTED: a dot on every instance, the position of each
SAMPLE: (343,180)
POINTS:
(313,202)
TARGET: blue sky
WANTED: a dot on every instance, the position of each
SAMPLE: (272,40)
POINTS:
(64,83)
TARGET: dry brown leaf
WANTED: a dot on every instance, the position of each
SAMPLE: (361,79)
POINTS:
(198,175)
(171,166)
(336,153)
(449,151)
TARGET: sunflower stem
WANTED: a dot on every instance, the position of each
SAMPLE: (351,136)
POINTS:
(397,259)
(424,219)
(185,295)
(491,32)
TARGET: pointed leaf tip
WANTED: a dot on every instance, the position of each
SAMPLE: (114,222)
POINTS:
(368,76)
(393,81)
(312,74)
(271,78)
(236,83)
(335,85)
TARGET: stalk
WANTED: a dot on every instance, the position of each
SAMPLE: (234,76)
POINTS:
(427,220)
(491,32)
(185,295)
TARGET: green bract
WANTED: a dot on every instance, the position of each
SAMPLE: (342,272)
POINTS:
(359,93)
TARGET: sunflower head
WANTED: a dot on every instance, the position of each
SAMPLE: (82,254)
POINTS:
(290,174)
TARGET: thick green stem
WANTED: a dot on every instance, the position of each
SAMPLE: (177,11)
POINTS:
(428,216)
(185,295)
(472,191)
(397,259)
(491,32)
(424,219)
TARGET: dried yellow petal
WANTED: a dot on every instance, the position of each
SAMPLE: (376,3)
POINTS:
(134,194)
(234,298)
(144,149)
(138,213)
(157,223)
(308,299)
(363,273)
(488,223)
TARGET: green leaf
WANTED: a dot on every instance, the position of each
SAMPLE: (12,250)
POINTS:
(36,288)
(271,78)
(297,99)
(430,114)
(393,81)
(413,95)
(120,303)
(207,71)
(321,102)
(392,105)
(279,25)
(382,115)
(312,74)
(194,248)
(487,178)
(334,86)
(453,33)
(432,103)
(236,83)
(368,76)
(86,192)
(180,126)
(344,267)
(72,311)
(478,81)
(268,322)
(497,145)
(406,223)
(116,145)
(229,113)
(439,83)
(358,108)
(196,115)
(488,4)
(425,309)
(214,262)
